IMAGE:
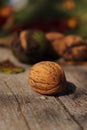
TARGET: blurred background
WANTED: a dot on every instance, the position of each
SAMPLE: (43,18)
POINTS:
(66,16)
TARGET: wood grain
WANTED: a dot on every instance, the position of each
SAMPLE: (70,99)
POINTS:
(23,109)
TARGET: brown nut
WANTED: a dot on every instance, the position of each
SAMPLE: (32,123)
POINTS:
(58,46)
(47,78)
(71,47)
(51,36)
(52,51)
(74,48)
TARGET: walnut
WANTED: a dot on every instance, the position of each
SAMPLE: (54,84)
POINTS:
(51,36)
(74,48)
(58,46)
(47,78)
(71,47)
(53,48)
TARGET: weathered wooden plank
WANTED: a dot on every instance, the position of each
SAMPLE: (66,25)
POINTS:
(22,108)
(9,114)
(40,114)
(76,103)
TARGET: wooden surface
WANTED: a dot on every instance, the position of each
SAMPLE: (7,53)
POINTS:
(23,109)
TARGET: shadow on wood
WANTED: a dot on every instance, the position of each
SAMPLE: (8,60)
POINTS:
(70,88)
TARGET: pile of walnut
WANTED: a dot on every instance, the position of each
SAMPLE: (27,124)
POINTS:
(71,47)
(32,46)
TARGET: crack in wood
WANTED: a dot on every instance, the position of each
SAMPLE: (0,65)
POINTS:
(72,117)
(19,105)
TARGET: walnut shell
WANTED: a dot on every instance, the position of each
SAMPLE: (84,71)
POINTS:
(47,78)
(71,47)
(74,48)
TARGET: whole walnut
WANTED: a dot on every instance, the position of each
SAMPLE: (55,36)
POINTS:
(47,77)
(75,48)
(72,47)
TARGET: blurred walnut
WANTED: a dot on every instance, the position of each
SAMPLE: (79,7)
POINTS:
(58,46)
(51,36)
(73,48)
(52,51)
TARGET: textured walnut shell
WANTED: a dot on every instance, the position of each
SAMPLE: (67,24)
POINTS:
(71,47)
(47,78)
(74,48)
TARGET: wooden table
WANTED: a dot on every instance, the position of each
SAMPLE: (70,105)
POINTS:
(23,109)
